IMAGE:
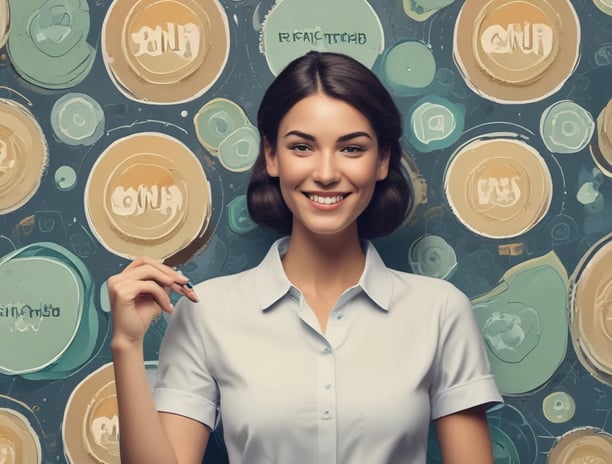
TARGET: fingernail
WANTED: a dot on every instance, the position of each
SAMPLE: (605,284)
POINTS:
(189,285)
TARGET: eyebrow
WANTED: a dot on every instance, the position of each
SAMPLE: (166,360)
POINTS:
(342,138)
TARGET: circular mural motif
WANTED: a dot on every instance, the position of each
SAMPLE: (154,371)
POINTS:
(516,51)
(147,194)
(498,187)
(591,310)
(601,150)
(150,46)
(23,155)
(18,440)
(4,21)
(587,445)
(294,27)
(90,428)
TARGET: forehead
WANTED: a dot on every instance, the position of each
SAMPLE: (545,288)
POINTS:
(323,113)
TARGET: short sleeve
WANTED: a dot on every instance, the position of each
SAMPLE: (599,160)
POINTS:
(184,384)
(461,374)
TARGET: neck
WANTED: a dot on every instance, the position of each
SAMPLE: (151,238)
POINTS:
(324,261)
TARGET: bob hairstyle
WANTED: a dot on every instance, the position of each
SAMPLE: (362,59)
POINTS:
(341,77)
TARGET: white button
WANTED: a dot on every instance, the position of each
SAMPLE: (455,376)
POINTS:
(327,350)
(327,386)
(326,414)
(339,316)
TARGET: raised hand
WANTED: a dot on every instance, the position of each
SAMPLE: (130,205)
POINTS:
(139,294)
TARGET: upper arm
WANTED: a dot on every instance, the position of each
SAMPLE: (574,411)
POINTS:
(187,437)
(464,437)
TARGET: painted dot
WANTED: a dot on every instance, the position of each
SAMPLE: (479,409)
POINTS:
(558,407)
(65,178)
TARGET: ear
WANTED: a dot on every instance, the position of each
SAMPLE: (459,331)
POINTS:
(271,158)
(383,163)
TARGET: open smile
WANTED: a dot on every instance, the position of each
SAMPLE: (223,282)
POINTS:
(326,199)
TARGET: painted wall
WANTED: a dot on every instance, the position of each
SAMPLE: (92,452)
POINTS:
(126,127)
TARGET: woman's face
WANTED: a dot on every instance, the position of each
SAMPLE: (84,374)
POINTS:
(328,161)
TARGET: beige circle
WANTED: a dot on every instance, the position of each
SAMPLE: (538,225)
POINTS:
(23,155)
(4,22)
(498,187)
(601,151)
(591,310)
(587,445)
(18,440)
(165,51)
(147,194)
(90,428)
(516,51)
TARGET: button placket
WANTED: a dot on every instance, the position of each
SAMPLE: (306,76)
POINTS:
(327,405)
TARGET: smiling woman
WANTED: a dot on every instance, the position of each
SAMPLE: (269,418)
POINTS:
(293,358)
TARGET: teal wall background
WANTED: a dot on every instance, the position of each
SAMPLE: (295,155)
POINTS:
(508,139)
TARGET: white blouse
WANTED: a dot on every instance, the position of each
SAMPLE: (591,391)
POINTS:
(399,350)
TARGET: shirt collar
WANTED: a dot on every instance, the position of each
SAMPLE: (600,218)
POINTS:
(271,282)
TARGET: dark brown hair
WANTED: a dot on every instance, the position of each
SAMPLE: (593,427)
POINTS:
(342,77)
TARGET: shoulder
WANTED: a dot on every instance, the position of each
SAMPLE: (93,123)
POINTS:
(237,284)
(426,286)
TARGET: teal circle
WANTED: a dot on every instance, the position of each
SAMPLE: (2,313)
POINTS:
(238,216)
(434,123)
(407,68)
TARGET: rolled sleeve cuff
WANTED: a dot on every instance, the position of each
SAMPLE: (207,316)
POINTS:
(481,391)
(196,408)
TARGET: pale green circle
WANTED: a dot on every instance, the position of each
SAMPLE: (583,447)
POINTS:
(65,178)
(77,119)
(558,407)
(434,123)
(216,120)
(566,127)
(431,255)
(408,67)
(104,298)
(294,27)
(41,309)
(239,150)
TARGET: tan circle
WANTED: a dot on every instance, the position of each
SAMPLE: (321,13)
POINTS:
(18,440)
(498,187)
(517,51)
(147,194)
(591,310)
(4,21)
(90,428)
(601,151)
(150,46)
(588,445)
(23,155)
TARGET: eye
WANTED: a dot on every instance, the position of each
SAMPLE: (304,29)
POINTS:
(353,149)
(300,147)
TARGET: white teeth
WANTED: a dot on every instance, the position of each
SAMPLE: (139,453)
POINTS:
(325,200)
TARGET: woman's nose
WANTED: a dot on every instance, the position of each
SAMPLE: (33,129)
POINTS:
(326,171)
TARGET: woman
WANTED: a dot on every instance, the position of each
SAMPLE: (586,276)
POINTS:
(320,354)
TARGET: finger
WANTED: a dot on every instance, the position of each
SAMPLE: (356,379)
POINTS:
(165,276)
(152,290)
(128,292)
(186,290)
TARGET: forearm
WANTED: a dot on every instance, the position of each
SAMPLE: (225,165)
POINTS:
(141,434)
